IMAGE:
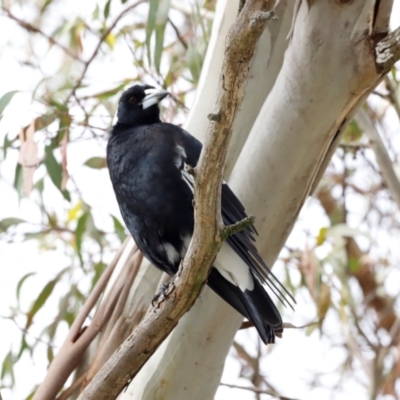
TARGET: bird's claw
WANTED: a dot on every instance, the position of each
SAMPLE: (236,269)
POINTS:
(162,295)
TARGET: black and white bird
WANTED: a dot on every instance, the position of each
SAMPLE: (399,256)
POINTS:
(146,160)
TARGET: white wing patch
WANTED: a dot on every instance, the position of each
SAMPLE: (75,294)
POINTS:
(188,179)
(233,268)
(172,253)
(180,156)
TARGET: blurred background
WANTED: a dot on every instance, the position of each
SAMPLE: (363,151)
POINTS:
(62,68)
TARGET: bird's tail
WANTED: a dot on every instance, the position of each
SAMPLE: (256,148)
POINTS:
(255,305)
(262,312)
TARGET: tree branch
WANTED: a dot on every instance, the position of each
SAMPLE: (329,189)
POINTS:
(79,337)
(381,154)
(100,42)
(207,238)
(238,227)
(30,28)
(257,390)
(387,51)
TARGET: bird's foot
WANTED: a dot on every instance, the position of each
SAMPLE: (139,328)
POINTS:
(162,295)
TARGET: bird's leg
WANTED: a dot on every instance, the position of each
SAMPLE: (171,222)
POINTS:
(165,290)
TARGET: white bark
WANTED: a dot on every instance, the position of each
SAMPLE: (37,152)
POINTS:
(328,68)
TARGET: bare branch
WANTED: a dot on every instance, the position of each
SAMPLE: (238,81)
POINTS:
(207,238)
(383,10)
(381,154)
(387,51)
(30,28)
(79,337)
(178,34)
(101,41)
(258,391)
(238,227)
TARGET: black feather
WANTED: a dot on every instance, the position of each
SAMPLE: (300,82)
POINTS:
(146,160)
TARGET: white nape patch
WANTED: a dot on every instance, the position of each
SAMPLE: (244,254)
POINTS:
(185,244)
(180,156)
(172,254)
(233,268)
(188,178)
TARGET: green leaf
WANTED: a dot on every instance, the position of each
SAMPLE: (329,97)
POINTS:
(7,222)
(151,24)
(96,12)
(112,92)
(119,229)
(79,232)
(110,40)
(5,99)
(55,171)
(106,11)
(8,143)
(50,354)
(62,113)
(96,162)
(24,346)
(45,5)
(43,297)
(40,301)
(7,368)
(21,282)
(18,180)
(44,121)
(195,62)
(353,133)
(98,270)
(161,23)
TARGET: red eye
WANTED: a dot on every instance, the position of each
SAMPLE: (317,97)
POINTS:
(133,100)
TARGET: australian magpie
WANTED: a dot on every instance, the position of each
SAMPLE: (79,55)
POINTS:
(146,159)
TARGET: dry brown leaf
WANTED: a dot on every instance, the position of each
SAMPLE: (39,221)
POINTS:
(65,175)
(28,157)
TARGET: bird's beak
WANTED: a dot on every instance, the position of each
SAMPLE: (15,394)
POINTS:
(153,96)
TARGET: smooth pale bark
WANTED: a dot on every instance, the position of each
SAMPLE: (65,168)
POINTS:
(329,68)
(267,62)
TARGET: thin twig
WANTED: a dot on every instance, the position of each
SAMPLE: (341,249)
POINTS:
(178,34)
(257,390)
(79,337)
(101,41)
(30,28)
(381,154)
(392,96)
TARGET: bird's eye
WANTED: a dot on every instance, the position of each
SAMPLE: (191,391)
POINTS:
(133,100)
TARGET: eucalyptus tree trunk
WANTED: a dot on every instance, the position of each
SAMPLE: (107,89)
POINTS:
(296,106)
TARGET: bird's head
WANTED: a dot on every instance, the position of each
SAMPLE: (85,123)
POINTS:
(139,105)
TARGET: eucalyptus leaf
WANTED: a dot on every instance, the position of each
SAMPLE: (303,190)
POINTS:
(96,162)
(5,100)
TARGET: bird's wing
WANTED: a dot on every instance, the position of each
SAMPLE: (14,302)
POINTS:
(232,212)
